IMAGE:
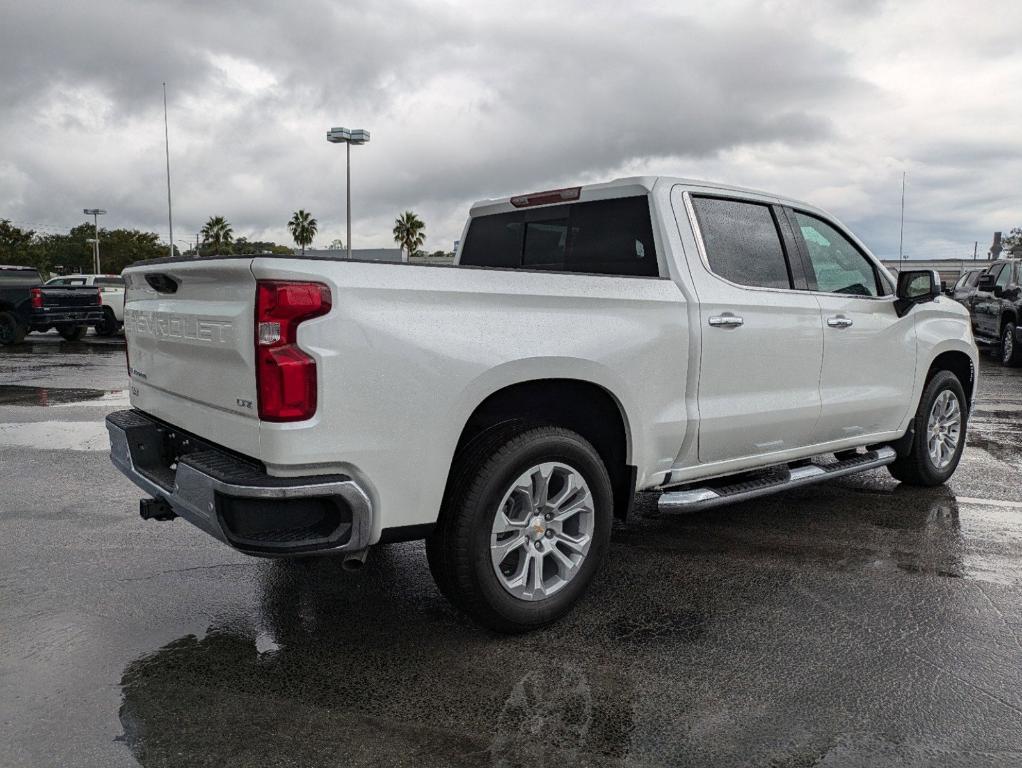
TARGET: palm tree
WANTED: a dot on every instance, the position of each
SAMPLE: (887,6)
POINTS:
(409,232)
(303,228)
(218,233)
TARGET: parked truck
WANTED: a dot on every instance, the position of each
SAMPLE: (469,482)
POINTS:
(27,305)
(711,343)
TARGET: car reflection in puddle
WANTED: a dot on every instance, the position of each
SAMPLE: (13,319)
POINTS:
(741,636)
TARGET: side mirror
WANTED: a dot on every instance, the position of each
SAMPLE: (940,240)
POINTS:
(998,291)
(986,283)
(916,286)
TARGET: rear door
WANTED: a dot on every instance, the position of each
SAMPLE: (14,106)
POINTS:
(191,346)
(762,342)
(869,353)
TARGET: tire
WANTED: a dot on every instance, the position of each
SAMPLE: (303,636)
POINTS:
(919,466)
(71,332)
(11,331)
(483,483)
(1008,352)
(108,325)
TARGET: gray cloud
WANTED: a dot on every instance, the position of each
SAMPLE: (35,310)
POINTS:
(464,102)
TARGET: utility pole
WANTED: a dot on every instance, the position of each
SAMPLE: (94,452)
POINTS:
(901,233)
(166,140)
(95,213)
(975,249)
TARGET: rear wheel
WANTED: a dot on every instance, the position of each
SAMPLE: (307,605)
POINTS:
(108,325)
(71,332)
(1010,353)
(11,331)
(524,526)
(939,438)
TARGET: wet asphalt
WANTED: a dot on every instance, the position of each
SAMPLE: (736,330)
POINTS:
(855,623)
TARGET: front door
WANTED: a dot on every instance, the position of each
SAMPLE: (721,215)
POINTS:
(762,341)
(869,353)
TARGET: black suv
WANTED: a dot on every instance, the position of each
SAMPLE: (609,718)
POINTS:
(996,308)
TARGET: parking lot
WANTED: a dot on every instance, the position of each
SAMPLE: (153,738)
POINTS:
(844,624)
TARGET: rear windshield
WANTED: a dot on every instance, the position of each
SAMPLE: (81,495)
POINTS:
(19,277)
(119,281)
(604,237)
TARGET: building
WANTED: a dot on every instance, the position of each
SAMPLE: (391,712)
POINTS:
(950,269)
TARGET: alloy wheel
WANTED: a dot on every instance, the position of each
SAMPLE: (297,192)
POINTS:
(542,531)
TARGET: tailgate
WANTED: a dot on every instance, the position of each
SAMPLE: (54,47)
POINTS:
(62,296)
(189,327)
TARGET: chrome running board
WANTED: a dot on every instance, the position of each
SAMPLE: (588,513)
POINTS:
(781,479)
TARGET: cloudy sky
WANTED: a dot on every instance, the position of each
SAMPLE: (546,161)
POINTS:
(827,101)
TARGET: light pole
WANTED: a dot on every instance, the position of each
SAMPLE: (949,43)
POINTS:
(95,213)
(348,137)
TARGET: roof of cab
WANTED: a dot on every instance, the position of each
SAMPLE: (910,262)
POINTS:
(635,185)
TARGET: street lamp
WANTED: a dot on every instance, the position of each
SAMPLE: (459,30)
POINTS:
(348,137)
(95,213)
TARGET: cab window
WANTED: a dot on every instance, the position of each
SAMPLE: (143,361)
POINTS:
(1005,277)
(836,264)
(742,242)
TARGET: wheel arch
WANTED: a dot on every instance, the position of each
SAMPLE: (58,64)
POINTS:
(578,404)
(961,365)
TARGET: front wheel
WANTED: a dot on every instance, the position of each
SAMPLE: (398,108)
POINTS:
(939,434)
(71,332)
(1010,353)
(525,525)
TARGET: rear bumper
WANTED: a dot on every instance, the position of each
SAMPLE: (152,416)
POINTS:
(66,316)
(232,498)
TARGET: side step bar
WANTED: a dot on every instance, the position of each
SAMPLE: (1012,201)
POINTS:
(783,478)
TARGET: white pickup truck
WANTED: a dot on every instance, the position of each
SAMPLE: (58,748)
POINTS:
(712,343)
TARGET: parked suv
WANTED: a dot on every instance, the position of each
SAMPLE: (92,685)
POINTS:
(713,343)
(111,293)
(996,309)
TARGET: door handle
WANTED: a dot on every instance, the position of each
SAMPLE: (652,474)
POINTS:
(839,321)
(726,321)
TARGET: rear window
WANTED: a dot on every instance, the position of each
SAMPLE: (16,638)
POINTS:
(742,242)
(604,237)
(116,281)
(19,277)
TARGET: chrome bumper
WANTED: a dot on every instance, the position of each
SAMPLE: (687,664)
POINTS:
(202,482)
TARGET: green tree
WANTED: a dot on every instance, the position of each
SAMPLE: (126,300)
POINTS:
(336,245)
(1012,241)
(251,247)
(409,232)
(303,228)
(218,233)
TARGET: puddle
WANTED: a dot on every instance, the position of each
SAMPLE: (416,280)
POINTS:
(56,436)
(16,394)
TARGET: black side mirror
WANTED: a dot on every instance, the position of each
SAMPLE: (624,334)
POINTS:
(986,283)
(916,286)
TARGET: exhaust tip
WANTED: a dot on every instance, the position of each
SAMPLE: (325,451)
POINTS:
(353,561)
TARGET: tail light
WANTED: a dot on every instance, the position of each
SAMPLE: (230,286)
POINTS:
(285,375)
(37,298)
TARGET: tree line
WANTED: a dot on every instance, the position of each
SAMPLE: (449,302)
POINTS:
(72,252)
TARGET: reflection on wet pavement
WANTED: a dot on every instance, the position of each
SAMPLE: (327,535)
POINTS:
(14,394)
(855,623)
(825,629)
